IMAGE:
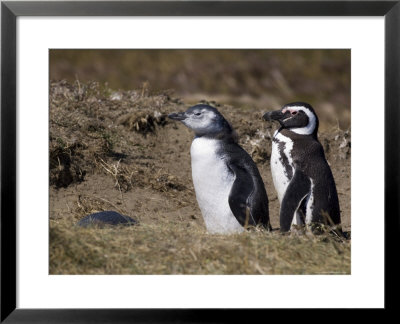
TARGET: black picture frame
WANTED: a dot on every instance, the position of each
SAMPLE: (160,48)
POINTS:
(11,10)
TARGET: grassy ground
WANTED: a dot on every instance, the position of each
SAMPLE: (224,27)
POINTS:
(175,248)
(115,150)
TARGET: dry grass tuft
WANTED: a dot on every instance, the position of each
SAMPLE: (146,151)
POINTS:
(137,176)
(86,205)
(122,175)
(63,167)
(143,122)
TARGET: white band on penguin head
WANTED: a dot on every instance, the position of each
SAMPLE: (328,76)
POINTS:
(312,121)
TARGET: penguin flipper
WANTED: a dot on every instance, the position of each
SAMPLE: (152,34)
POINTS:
(297,190)
(242,188)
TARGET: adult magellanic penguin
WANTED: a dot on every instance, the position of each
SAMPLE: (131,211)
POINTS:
(301,175)
(229,189)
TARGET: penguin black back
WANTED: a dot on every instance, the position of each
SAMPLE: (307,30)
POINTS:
(248,197)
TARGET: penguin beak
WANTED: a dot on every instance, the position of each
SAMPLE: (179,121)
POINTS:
(178,116)
(273,115)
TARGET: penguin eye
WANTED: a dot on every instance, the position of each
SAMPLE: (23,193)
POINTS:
(197,113)
(294,112)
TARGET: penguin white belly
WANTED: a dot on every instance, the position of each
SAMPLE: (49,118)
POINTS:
(212,183)
(280,155)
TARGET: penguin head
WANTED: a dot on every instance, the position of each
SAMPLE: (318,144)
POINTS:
(298,117)
(204,120)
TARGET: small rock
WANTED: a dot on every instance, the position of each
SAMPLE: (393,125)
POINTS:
(104,218)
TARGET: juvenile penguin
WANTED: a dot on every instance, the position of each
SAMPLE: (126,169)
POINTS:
(229,189)
(301,175)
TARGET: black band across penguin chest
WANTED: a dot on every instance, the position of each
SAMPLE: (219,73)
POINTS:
(282,167)
(284,157)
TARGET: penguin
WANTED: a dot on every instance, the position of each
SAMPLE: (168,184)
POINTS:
(103,218)
(228,186)
(301,175)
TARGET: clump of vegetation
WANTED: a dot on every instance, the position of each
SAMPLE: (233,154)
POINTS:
(64,168)
(142,122)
